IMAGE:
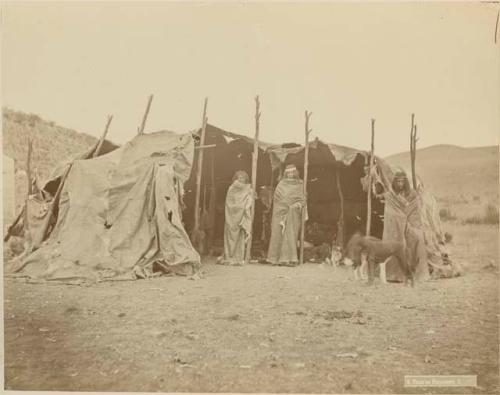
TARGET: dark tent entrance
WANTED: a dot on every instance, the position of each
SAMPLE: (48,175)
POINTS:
(337,202)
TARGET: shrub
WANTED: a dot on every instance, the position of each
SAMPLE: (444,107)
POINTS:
(490,217)
(476,219)
(446,215)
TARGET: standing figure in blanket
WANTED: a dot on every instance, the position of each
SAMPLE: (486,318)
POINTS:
(288,203)
(238,220)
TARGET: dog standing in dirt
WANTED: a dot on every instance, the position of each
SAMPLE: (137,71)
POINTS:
(376,251)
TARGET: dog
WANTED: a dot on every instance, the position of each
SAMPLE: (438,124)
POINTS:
(368,251)
(336,256)
(359,267)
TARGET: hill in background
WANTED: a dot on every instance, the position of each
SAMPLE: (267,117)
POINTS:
(52,144)
(456,174)
(453,174)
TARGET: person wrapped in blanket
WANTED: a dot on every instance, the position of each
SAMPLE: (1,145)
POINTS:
(412,216)
(288,203)
(238,220)
(403,221)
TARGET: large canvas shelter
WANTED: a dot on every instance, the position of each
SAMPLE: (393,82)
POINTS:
(328,197)
(337,192)
(119,215)
(337,203)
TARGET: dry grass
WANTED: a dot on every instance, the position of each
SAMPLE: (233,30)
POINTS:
(259,329)
(470,213)
(455,174)
(52,145)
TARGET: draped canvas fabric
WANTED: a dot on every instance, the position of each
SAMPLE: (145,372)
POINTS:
(238,222)
(402,221)
(435,240)
(119,214)
(286,220)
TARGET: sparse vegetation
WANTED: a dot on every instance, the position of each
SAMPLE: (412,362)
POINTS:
(489,217)
(455,175)
(446,214)
(52,144)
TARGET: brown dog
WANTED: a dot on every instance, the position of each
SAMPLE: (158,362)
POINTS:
(377,251)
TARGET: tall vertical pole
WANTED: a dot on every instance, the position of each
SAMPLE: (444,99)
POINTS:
(44,227)
(145,116)
(496,26)
(413,155)
(103,137)
(28,166)
(255,158)
(369,203)
(340,223)
(200,168)
(27,234)
(306,170)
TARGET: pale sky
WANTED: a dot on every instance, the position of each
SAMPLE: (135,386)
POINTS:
(74,63)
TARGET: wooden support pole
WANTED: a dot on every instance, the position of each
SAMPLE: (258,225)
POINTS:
(413,155)
(103,137)
(200,169)
(255,158)
(369,203)
(212,203)
(27,235)
(14,224)
(28,167)
(306,170)
(340,224)
(411,139)
(143,124)
(205,146)
(496,26)
(55,201)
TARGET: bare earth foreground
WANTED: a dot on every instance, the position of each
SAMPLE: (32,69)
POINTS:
(259,329)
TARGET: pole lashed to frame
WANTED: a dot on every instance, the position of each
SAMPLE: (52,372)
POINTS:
(413,151)
(199,170)
(306,169)
(26,224)
(496,27)
(103,137)
(145,116)
(369,198)
(255,158)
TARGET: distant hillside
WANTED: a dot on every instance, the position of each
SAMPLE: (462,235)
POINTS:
(52,144)
(456,173)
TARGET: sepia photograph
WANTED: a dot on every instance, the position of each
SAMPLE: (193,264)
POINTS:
(250,196)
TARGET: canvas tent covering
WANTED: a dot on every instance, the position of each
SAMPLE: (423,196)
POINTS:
(119,215)
(110,189)
(327,162)
(337,193)
(9,189)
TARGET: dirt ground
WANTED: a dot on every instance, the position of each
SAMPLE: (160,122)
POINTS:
(259,329)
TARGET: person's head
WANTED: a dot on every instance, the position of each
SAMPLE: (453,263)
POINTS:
(400,181)
(291,172)
(420,185)
(241,176)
